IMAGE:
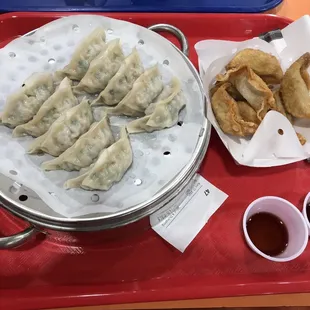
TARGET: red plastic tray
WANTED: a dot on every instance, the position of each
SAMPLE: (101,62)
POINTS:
(65,270)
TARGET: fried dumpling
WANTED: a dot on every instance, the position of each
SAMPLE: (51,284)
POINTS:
(62,100)
(164,112)
(22,105)
(86,51)
(110,167)
(301,138)
(146,88)
(232,91)
(279,106)
(295,88)
(227,114)
(101,69)
(263,64)
(247,113)
(65,131)
(252,88)
(122,82)
(85,150)
(281,109)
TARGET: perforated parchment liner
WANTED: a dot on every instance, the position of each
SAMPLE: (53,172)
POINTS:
(50,48)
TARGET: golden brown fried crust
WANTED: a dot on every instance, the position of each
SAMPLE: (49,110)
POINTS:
(252,88)
(301,138)
(247,112)
(280,107)
(232,91)
(241,98)
(295,88)
(226,112)
(263,64)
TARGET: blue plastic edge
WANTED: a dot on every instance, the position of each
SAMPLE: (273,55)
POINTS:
(207,9)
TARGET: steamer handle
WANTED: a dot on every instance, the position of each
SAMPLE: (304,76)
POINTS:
(18,239)
(177,32)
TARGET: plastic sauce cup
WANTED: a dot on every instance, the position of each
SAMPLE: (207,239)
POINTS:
(291,217)
(304,212)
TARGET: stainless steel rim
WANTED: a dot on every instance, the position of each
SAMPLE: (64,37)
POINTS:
(177,32)
(139,211)
(17,239)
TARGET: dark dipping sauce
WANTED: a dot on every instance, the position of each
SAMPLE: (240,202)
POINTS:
(308,211)
(268,233)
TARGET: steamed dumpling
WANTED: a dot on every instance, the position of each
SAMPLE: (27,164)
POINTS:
(85,150)
(86,51)
(263,64)
(110,167)
(122,82)
(163,113)
(295,88)
(252,88)
(101,69)
(62,100)
(22,105)
(65,131)
(146,88)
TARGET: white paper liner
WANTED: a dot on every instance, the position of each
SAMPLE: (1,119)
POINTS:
(267,147)
(49,49)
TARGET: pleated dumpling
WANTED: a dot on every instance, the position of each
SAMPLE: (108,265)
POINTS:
(280,106)
(228,116)
(101,69)
(110,167)
(295,88)
(247,113)
(22,105)
(86,51)
(263,64)
(252,88)
(85,150)
(65,131)
(62,100)
(281,109)
(232,91)
(146,88)
(122,82)
(164,112)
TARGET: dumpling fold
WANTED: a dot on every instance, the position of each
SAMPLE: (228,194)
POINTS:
(164,112)
(110,167)
(85,52)
(295,88)
(101,69)
(145,89)
(265,65)
(252,88)
(65,131)
(23,105)
(62,100)
(122,82)
(85,150)
(232,119)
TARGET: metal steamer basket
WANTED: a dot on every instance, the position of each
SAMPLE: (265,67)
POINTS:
(28,205)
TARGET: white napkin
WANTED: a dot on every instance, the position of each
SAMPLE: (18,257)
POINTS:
(180,223)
